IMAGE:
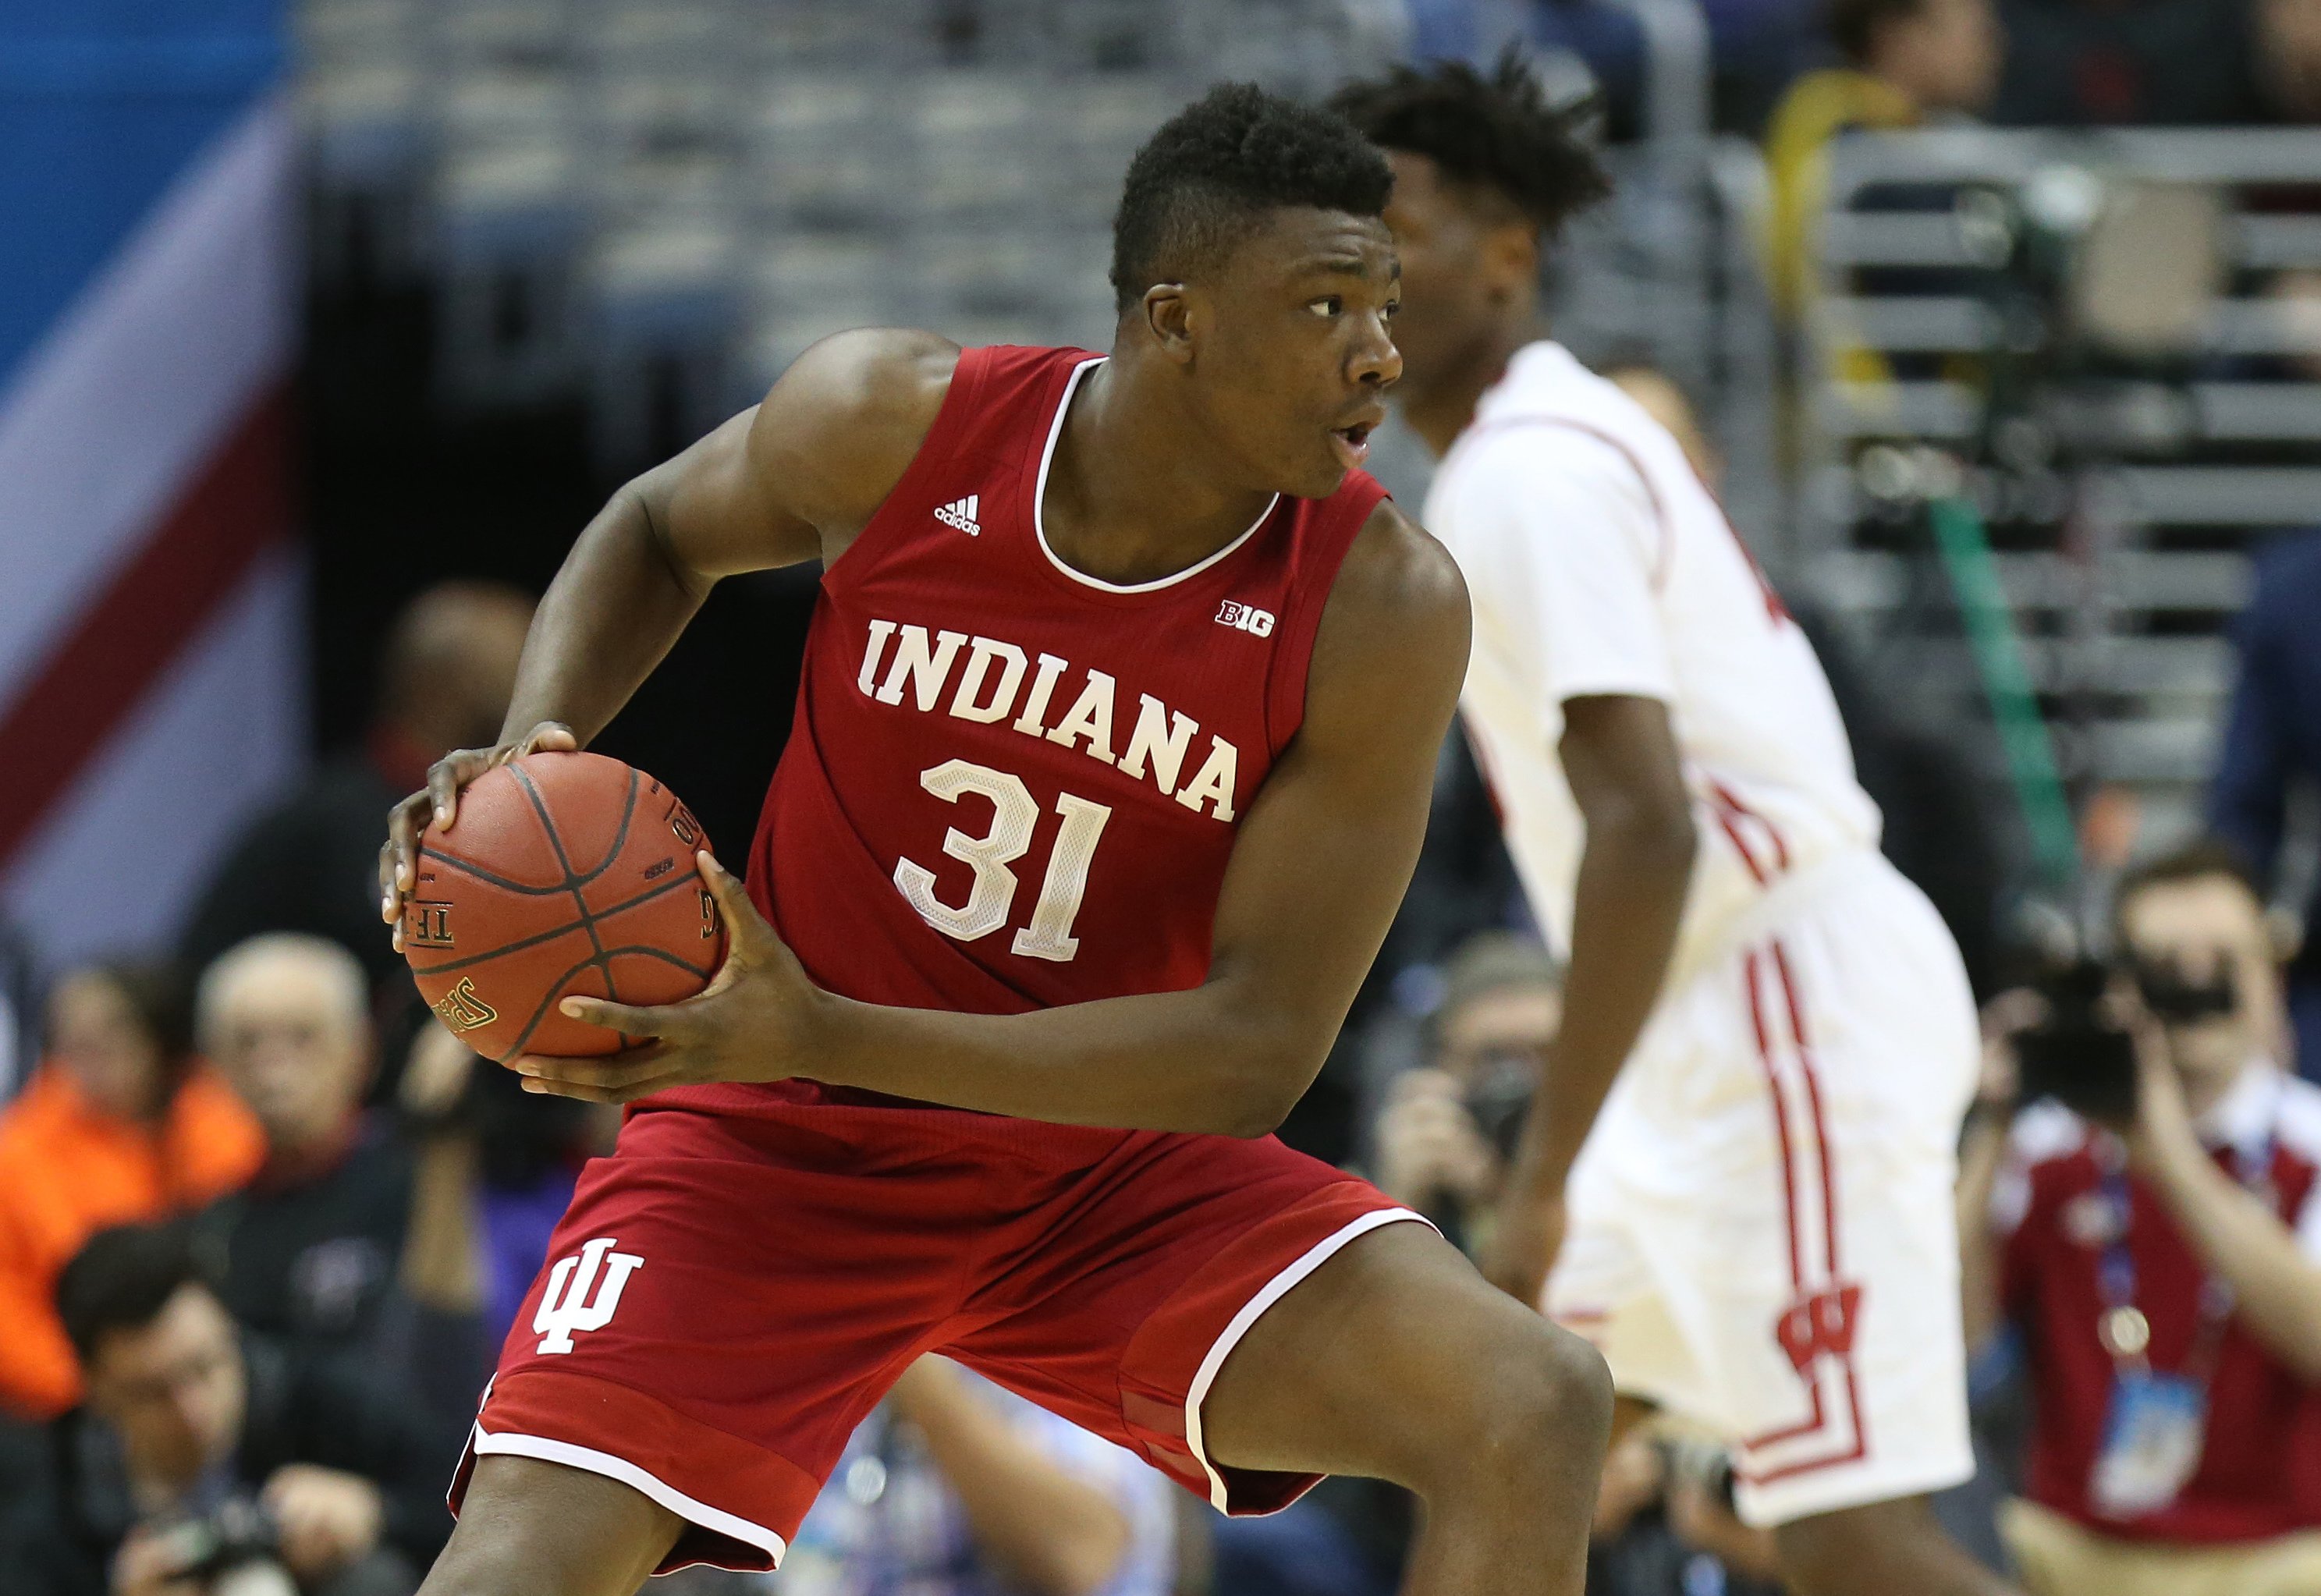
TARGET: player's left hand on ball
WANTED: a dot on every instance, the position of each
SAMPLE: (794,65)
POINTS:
(749,1024)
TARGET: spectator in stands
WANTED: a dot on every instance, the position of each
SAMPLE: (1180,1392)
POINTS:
(119,1123)
(311,864)
(2089,63)
(1905,62)
(2288,57)
(199,1444)
(2272,745)
(2165,1276)
(957,1488)
(346,1230)
(1448,1126)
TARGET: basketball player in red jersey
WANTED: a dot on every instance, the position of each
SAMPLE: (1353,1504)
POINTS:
(1120,713)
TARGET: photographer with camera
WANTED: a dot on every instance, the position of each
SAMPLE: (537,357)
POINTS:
(2150,1224)
(207,1462)
(1447,1127)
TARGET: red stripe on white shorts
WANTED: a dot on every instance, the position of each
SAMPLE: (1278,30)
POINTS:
(1787,1070)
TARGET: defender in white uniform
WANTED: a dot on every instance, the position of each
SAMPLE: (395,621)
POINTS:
(1757,1227)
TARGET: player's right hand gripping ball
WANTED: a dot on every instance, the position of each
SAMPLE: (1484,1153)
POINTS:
(562,874)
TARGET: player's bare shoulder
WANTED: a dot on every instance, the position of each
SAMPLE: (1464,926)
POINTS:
(840,426)
(1396,623)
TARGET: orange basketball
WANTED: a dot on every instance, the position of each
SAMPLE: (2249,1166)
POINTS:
(561,874)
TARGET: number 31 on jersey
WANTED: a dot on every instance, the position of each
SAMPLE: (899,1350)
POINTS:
(990,901)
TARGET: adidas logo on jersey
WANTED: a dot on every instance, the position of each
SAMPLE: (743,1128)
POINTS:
(960,513)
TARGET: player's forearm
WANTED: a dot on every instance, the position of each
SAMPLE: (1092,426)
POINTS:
(613,610)
(1628,902)
(1196,1061)
(2276,1288)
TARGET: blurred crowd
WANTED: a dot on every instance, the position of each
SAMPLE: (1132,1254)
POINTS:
(264,1224)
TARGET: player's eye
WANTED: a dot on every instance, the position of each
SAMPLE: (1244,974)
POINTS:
(1328,305)
(1393,307)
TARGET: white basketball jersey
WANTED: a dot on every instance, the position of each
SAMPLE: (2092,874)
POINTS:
(1599,563)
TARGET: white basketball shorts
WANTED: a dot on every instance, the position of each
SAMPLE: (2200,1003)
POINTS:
(1760,1231)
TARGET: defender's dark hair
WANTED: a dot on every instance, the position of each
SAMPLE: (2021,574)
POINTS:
(1853,24)
(1202,180)
(1497,133)
(121,1279)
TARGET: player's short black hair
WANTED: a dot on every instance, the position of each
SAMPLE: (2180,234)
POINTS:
(1499,133)
(1213,169)
(1853,24)
(121,1280)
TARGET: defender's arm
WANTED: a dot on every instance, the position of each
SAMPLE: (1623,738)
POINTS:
(795,478)
(1317,868)
(1620,758)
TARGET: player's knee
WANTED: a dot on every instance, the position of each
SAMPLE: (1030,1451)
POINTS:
(1542,1403)
(1566,1389)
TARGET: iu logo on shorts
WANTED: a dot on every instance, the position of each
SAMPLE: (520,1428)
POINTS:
(582,1292)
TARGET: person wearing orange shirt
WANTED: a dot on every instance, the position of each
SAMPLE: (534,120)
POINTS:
(120,1124)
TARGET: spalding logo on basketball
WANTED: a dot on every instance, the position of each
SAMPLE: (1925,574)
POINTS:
(561,874)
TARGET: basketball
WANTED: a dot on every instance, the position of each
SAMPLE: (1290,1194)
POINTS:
(562,875)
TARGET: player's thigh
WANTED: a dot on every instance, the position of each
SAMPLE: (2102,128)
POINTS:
(1392,1354)
(533,1528)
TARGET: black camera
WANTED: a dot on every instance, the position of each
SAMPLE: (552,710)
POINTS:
(1498,1093)
(2081,1053)
(236,1534)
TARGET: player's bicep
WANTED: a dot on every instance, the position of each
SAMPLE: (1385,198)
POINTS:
(796,477)
(1325,852)
(717,511)
(1619,753)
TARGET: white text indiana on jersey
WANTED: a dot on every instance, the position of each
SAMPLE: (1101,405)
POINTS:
(993,679)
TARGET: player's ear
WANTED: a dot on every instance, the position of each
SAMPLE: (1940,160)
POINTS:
(1168,317)
(1510,259)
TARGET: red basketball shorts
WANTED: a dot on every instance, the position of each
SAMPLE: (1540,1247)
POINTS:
(730,1295)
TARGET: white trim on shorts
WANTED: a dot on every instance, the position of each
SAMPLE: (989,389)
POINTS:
(513,1444)
(1272,1291)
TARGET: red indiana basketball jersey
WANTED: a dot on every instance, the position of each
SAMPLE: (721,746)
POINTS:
(1010,785)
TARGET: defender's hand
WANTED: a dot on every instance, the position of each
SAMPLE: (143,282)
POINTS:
(753,1021)
(440,803)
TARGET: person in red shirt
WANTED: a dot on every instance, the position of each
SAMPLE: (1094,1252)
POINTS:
(2165,1275)
(119,1125)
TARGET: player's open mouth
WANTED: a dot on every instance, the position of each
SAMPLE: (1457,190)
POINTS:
(1352,443)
